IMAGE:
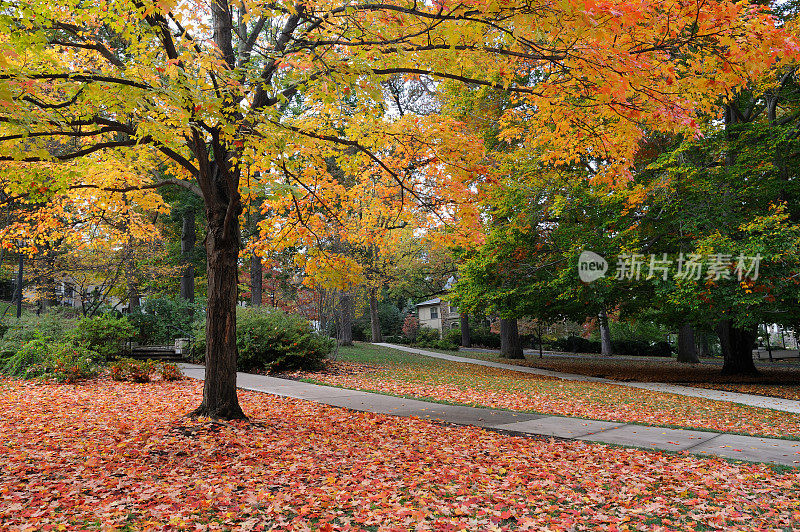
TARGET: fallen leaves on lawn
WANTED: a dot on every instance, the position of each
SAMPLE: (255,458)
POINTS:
(483,386)
(108,455)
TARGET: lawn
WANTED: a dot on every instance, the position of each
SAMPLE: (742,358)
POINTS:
(110,455)
(386,370)
(781,380)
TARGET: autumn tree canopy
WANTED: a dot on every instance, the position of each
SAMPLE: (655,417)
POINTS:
(222,91)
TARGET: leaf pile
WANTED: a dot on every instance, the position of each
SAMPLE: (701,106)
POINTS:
(483,386)
(115,454)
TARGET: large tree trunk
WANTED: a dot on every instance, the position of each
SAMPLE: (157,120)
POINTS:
(510,345)
(737,348)
(605,334)
(374,319)
(188,239)
(256,281)
(466,339)
(223,207)
(345,319)
(687,352)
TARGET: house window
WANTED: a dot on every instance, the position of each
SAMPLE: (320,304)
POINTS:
(434,312)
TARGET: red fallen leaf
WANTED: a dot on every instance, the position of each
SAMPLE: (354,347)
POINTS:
(167,472)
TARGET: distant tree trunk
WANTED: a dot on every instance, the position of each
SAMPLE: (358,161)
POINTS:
(605,334)
(256,281)
(510,345)
(374,319)
(737,348)
(18,293)
(704,350)
(188,239)
(687,351)
(134,300)
(466,339)
(345,319)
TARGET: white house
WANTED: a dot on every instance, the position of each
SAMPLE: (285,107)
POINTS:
(438,314)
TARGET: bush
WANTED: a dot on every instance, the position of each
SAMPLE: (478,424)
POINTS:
(64,362)
(453,336)
(272,340)
(71,363)
(410,327)
(631,348)
(129,369)
(163,319)
(576,344)
(106,334)
(169,372)
(52,326)
(483,337)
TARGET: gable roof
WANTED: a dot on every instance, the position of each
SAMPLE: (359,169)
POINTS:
(434,301)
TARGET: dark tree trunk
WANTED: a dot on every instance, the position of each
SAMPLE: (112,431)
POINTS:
(18,292)
(188,239)
(466,339)
(223,207)
(605,334)
(510,345)
(256,281)
(687,352)
(702,343)
(345,319)
(374,319)
(737,348)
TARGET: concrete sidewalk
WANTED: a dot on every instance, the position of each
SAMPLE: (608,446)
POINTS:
(775,403)
(784,452)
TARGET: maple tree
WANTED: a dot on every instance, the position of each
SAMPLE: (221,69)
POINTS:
(208,89)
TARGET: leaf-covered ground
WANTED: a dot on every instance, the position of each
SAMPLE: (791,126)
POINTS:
(108,455)
(779,380)
(422,377)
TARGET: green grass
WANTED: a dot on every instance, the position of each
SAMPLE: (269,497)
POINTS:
(363,353)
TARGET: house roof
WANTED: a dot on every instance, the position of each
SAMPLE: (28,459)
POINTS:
(434,301)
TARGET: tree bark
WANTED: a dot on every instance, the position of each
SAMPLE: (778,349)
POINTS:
(345,319)
(510,345)
(605,334)
(466,339)
(256,281)
(703,343)
(374,319)
(687,352)
(737,348)
(223,207)
(188,239)
(18,291)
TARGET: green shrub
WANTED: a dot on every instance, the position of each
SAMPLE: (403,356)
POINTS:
(576,344)
(272,340)
(483,337)
(30,360)
(163,319)
(52,326)
(106,334)
(426,337)
(71,363)
(453,336)
(64,361)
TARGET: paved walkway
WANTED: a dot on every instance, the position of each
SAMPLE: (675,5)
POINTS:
(784,452)
(784,405)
